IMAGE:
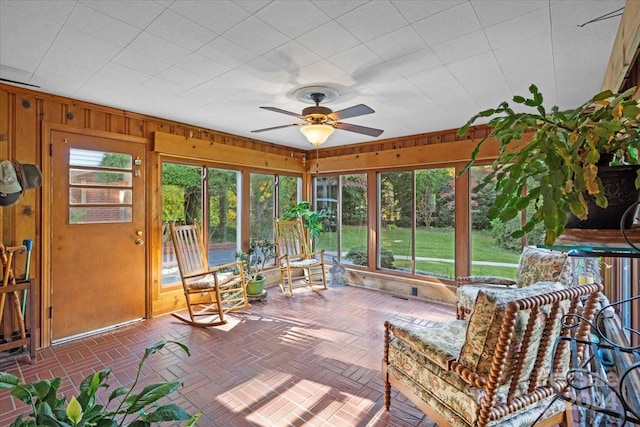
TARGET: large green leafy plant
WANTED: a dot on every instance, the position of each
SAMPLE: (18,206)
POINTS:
(313,220)
(549,160)
(137,409)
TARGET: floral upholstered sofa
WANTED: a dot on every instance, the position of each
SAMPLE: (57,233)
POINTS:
(492,369)
(535,265)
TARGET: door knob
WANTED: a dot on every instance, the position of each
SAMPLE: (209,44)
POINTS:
(139,242)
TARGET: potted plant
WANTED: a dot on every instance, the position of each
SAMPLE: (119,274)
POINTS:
(137,409)
(557,171)
(255,259)
(314,221)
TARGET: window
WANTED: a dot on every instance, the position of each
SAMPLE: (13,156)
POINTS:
(223,212)
(416,222)
(288,192)
(100,187)
(262,208)
(353,219)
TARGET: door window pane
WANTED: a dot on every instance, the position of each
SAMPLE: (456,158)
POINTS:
(288,192)
(100,187)
(326,199)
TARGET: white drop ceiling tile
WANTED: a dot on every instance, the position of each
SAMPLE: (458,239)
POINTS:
(482,78)
(226,52)
(198,65)
(256,36)
(57,84)
(321,71)
(462,47)
(27,23)
(414,11)
(415,62)
(449,24)
(136,60)
(53,10)
(10,73)
(84,60)
(328,39)
(259,71)
(119,78)
(20,51)
(571,13)
(251,6)
(159,49)
(81,42)
(161,87)
(181,31)
(527,63)
(218,16)
(292,56)
(372,20)
(396,43)
(336,8)
(568,38)
(440,86)
(491,12)
(355,59)
(139,13)
(184,77)
(60,69)
(90,21)
(531,26)
(293,17)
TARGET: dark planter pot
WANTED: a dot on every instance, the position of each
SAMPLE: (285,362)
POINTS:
(619,187)
(256,287)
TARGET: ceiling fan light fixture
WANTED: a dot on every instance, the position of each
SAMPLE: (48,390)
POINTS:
(317,134)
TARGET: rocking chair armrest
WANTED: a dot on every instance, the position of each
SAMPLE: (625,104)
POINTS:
(314,253)
(233,264)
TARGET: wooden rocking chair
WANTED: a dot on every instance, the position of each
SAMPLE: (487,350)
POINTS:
(293,253)
(210,292)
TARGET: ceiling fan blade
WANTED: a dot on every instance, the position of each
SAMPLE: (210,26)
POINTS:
(279,110)
(356,110)
(276,127)
(358,129)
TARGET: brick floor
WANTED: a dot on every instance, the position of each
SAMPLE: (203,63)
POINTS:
(310,360)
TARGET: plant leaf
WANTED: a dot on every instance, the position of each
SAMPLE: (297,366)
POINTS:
(169,412)
(150,394)
(74,410)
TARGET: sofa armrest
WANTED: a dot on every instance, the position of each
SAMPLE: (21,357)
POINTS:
(489,280)
(440,343)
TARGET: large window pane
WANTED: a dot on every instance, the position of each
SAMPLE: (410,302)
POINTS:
(435,214)
(182,203)
(395,194)
(326,199)
(493,251)
(288,192)
(353,219)
(262,206)
(224,221)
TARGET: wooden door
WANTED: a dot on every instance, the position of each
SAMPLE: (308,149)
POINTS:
(98,233)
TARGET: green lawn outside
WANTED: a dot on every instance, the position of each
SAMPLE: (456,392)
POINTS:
(431,243)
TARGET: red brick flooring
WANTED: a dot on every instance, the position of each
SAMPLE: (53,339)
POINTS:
(310,360)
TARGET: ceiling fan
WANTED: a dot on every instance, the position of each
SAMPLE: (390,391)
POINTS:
(320,122)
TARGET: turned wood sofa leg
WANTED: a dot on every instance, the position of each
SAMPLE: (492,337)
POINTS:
(385,363)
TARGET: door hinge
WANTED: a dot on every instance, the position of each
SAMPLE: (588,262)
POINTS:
(50,312)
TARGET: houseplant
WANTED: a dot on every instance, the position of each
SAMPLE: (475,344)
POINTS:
(139,410)
(314,221)
(256,258)
(558,169)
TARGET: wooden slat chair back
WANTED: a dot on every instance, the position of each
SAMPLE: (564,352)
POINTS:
(210,292)
(493,369)
(299,265)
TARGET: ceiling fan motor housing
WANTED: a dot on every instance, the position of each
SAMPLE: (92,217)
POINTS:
(316,113)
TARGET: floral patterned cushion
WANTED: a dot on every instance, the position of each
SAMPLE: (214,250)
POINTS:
(485,321)
(466,295)
(457,401)
(538,265)
(440,343)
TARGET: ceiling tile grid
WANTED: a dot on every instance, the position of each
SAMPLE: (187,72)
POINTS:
(423,66)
